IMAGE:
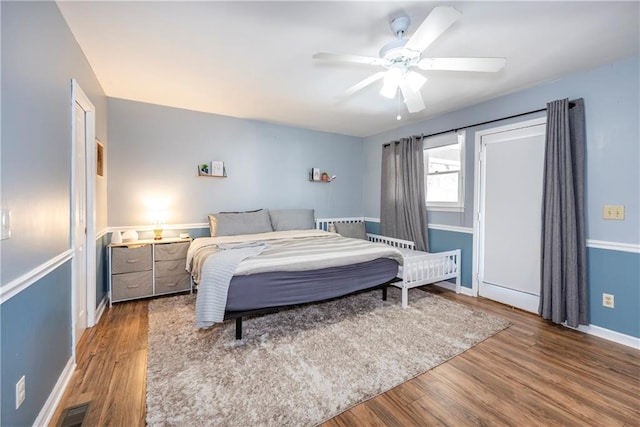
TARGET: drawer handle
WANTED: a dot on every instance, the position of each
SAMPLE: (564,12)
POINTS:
(133,261)
(171,285)
(172,268)
(132,286)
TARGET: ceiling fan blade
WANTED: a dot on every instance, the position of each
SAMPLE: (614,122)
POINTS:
(487,65)
(369,60)
(440,18)
(362,84)
(413,99)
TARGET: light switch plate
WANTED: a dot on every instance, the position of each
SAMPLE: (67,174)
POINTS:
(6,224)
(613,212)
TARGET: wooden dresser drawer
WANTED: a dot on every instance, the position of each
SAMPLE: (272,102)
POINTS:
(172,284)
(132,285)
(127,260)
(170,268)
(172,251)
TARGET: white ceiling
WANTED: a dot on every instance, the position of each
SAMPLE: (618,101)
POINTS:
(253,59)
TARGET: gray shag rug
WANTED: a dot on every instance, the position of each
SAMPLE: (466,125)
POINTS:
(299,367)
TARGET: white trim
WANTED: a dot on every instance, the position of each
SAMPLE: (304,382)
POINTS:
(21,283)
(477,208)
(432,208)
(147,227)
(610,335)
(100,309)
(447,285)
(49,408)
(79,97)
(452,228)
(467,291)
(614,246)
(101,233)
(369,219)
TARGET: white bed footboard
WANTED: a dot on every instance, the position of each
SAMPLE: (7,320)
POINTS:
(420,268)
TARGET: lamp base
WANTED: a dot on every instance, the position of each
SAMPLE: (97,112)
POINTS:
(157,234)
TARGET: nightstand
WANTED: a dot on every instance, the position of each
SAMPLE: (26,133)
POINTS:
(147,268)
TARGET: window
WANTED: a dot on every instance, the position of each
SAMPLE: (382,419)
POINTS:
(443,168)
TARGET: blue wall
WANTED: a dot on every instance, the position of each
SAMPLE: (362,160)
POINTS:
(441,240)
(616,273)
(36,342)
(154,152)
(39,59)
(612,108)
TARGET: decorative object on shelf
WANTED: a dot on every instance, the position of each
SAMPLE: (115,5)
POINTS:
(184,235)
(204,169)
(116,237)
(325,177)
(129,236)
(315,174)
(99,158)
(214,168)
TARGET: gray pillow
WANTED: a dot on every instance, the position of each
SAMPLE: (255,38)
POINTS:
(355,230)
(231,224)
(292,219)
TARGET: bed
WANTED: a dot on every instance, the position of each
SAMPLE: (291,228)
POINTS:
(273,260)
(418,268)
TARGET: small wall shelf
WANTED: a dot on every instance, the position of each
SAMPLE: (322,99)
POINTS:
(214,169)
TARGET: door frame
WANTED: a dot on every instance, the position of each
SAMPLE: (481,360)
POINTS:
(478,239)
(78,96)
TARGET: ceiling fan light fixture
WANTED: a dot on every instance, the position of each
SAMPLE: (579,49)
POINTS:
(392,80)
(415,80)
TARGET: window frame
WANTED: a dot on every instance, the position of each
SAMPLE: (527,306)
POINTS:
(450,138)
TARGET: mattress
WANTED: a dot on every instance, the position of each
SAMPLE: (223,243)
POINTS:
(277,289)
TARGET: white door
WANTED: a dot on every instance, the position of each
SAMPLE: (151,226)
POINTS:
(80,222)
(511,164)
(83,227)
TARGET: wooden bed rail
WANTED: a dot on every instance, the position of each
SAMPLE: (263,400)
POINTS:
(323,224)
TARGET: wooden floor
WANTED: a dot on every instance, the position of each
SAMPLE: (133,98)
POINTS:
(532,374)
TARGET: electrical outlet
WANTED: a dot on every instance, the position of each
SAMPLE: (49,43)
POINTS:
(613,212)
(21,392)
(607,300)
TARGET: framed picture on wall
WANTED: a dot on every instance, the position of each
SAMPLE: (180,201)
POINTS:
(99,158)
(204,169)
(217,168)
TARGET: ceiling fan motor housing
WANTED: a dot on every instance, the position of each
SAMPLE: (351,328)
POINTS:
(394,51)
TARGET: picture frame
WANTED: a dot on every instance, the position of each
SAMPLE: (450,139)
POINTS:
(217,168)
(214,168)
(204,169)
(99,158)
(315,174)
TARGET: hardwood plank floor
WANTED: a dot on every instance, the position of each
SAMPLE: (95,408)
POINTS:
(531,374)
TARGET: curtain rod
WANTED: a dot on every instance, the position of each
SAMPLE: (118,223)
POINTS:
(571,105)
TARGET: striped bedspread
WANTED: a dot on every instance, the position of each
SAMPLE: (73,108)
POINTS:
(213,261)
(296,250)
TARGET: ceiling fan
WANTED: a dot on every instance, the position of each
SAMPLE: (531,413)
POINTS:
(400,56)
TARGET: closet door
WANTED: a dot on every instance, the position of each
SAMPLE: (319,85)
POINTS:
(510,217)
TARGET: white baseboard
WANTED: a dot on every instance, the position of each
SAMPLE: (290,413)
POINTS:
(100,309)
(467,291)
(610,335)
(452,287)
(446,285)
(49,408)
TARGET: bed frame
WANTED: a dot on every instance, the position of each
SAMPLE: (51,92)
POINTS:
(419,269)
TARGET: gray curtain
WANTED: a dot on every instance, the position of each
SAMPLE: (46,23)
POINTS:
(403,210)
(563,295)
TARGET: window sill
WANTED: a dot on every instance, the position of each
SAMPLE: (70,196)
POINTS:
(445,208)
